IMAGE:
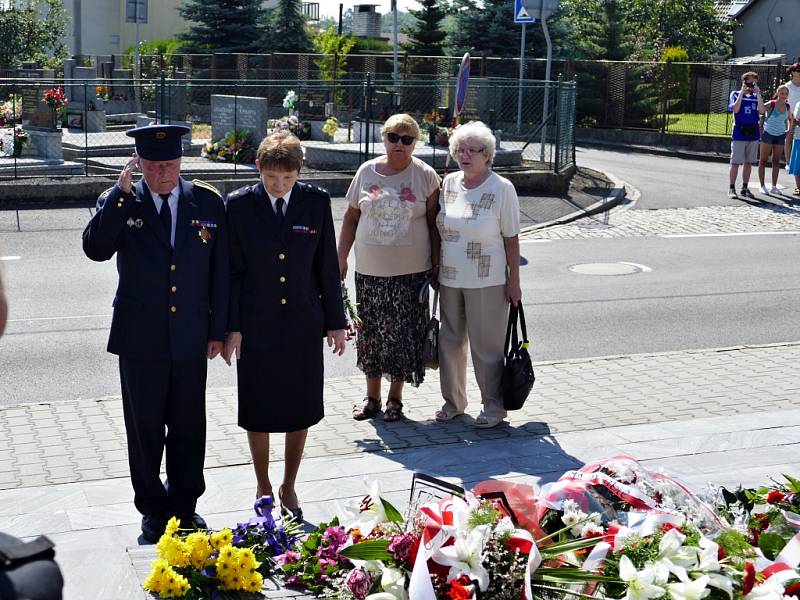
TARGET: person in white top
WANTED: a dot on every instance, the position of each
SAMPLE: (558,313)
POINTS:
(794,97)
(478,224)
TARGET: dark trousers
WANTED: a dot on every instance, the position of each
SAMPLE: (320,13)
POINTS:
(164,407)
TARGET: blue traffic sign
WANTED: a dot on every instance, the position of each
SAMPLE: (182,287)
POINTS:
(521,14)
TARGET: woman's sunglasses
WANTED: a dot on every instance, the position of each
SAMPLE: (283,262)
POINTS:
(396,137)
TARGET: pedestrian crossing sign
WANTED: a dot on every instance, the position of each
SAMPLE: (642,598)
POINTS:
(521,14)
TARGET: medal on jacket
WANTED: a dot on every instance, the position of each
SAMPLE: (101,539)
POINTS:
(204,235)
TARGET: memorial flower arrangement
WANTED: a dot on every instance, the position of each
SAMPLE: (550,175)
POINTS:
(11,110)
(612,529)
(13,140)
(291,123)
(200,564)
(236,146)
(354,323)
(289,100)
(330,126)
(57,101)
(432,121)
(101,91)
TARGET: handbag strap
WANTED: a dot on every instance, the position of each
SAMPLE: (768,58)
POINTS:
(511,330)
(435,301)
(522,323)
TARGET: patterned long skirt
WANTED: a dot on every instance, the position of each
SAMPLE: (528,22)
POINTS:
(390,344)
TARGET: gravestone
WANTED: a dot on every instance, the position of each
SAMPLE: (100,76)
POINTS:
(240,112)
(82,88)
(69,73)
(124,99)
(34,111)
(312,105)
(175,109)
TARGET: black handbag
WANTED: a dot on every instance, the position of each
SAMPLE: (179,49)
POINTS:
(430,345)
(518,376)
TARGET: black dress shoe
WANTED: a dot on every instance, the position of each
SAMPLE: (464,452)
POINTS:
(153,527)
(193,521)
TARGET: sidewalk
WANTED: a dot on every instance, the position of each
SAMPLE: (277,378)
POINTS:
(722,415)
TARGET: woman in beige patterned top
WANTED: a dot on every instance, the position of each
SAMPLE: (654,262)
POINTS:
(391,220)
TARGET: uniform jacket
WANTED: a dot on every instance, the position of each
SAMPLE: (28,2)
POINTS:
(285,288)
(169,302)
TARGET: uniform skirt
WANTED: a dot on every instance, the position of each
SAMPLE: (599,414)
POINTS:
(281,391)
(390,344)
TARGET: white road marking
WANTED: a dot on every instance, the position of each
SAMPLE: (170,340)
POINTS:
(741,233)
(644,268)
(58,318)
(534,241)
(10,257)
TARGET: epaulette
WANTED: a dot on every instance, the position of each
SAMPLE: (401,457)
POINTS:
(207,186)
(308,187)
(107,192)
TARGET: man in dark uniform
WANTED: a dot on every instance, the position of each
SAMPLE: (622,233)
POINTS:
(170,316)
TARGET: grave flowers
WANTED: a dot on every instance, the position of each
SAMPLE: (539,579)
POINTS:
(57,101)
(13,140)
(330,127)
(236,146)
(291,123)
(11,110)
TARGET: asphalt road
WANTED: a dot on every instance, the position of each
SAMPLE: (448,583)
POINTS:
(667,182)
(700,292)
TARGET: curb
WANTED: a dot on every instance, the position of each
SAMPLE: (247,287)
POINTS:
(665,151)
(617,195)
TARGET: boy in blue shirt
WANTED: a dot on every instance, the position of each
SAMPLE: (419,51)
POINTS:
(746,105)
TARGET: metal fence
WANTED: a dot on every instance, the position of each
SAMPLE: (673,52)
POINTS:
(534,120)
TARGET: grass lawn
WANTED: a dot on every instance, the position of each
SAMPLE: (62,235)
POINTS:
(700,123)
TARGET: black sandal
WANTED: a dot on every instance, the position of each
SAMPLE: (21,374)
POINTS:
(394,410)
(368,409)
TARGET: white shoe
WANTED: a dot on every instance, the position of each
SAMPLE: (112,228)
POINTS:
(763,189)
(775,190)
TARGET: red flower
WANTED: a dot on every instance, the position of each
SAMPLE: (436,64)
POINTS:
(721,553)
(749,579)
(793,590)
(775,496)
(667,526)
(459,590)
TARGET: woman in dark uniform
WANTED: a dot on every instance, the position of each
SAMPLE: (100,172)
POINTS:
(285,297)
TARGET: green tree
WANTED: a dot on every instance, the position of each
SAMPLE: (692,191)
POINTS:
(32,30)
(592,29)
(333,49)
(694,26)
(426,36)
(489,30)
(221,25)
(285,29)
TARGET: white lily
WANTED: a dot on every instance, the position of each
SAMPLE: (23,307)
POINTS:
(365,514)
(672,557)
(465,556)
(769,590)
(709,555)
(640,583)
(670,543)
(689,590)
(393,582)
(719,581)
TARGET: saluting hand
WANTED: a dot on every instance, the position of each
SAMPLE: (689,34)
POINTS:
(126,177)
(233,345)
(336,339)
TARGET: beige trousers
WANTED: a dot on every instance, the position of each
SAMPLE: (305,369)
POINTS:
(480,315)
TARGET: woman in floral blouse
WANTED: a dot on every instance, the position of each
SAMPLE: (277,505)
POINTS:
(391,220)
(478,224)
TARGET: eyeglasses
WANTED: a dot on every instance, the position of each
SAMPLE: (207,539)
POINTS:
(469,151)
(396,137)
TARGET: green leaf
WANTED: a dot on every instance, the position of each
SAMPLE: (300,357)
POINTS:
(392,514)
(369,550)
(570,575)
(794,484)
(568,546)
(771,544)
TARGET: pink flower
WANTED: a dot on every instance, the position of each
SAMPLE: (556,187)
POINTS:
(335,536)
(407,195)
(294,580)
(374,190)
(287,558)
(359,582)
(400,546)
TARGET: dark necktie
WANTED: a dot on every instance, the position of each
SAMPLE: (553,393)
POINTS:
(166,215)
(279,210)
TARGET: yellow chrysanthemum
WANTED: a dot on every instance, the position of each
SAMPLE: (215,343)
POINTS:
(172,526)
(222,538)
(164,581)
(173,550)
(199,549)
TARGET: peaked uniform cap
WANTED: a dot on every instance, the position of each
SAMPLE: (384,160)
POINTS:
(159,142)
